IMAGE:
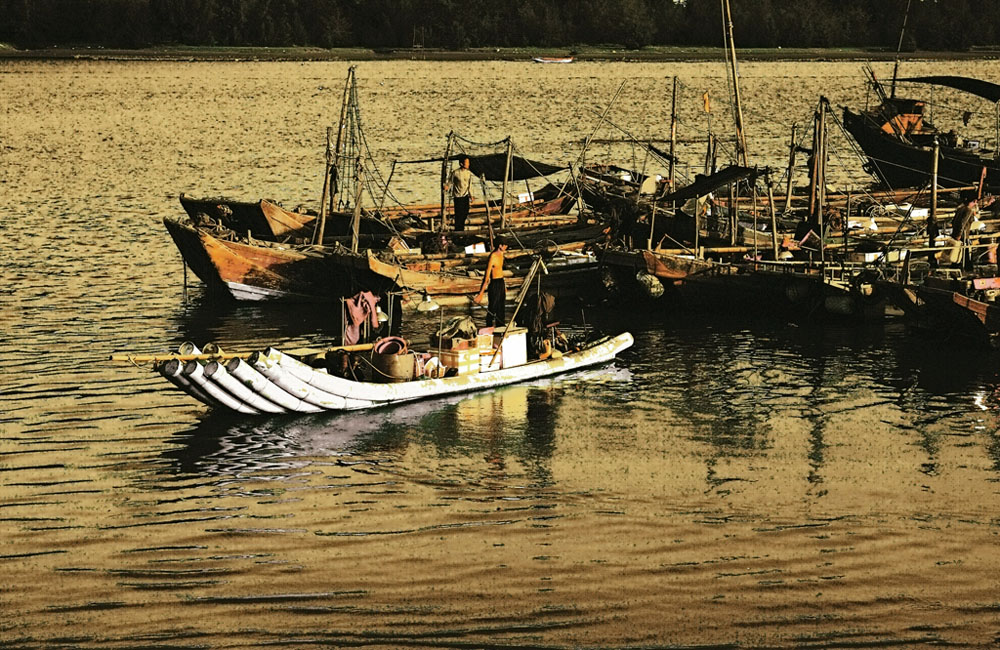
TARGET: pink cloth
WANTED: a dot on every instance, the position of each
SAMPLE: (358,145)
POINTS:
(360,307)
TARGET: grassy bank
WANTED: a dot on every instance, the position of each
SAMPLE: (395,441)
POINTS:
(581,53)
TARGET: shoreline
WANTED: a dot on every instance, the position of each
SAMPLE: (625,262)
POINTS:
(581,54)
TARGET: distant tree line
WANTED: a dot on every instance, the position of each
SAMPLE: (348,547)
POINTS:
(457,24)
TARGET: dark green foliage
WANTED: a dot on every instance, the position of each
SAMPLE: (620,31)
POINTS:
(455,24)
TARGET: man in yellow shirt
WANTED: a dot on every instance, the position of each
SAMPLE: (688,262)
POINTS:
(493,282)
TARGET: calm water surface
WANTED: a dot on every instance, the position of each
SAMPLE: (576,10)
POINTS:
(725,483)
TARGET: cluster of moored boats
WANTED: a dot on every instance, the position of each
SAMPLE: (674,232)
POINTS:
(604,231)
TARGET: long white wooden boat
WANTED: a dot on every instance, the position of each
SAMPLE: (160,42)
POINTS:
(272,382)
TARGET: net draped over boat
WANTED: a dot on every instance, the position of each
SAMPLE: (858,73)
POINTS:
(493,166)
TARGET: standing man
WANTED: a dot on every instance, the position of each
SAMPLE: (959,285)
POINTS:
(961,224)
(460,184)
(493,282)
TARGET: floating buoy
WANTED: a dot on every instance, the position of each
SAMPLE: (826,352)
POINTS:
(650,284)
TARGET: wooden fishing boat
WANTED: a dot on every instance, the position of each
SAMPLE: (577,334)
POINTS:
(553,59)
(266,220)
(273,382)
(250,270)
(949,303)
(792,289)
(899,141)
(642,209)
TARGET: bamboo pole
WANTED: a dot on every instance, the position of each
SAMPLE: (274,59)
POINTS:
(489,217)
(741,142)
(934,179)
(503,190)
(813,169)
(791,170)
(899,47)
(356,217)
(996,116)
(847,219)
(673,133)
(652,221)
(774,217)
(586,143)
(208,356)
(733,217)
(445,164)
(385,193)
(335,191)
(535,266)
(328,168)
(821,179)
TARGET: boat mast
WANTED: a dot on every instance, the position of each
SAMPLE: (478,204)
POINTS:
(741,143)
(356,216)
(331,190)
(673,133)
(348,97)
(899,47)
(324,202)
(445,165)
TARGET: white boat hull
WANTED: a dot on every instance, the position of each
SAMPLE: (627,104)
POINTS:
(272,382)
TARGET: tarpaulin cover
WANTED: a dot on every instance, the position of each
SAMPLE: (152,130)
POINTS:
(492,166)
(706,184)
(985,89)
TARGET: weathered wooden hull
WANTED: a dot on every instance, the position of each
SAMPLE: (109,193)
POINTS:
(793,290)
(272,382)
(664,266)
(263,219)
(949,306)
(269,271)
(265,272)
(952,312)
(899,164)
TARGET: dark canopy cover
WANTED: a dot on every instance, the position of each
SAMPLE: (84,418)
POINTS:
(703,185)
(492,166)
(978,87)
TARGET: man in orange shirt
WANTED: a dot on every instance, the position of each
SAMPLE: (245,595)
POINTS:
(493,282)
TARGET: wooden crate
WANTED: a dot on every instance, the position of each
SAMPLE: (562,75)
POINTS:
(466,361)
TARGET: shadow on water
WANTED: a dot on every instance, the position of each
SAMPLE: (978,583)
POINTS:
(734,376)
(518,421)
(205,317)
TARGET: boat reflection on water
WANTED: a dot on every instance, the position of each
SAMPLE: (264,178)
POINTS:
(518,421)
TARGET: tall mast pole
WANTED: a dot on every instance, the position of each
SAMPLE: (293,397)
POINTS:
(673,133)
(741,142)
(331,190)
(899,47)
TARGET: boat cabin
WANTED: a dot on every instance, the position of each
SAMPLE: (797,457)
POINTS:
(904,117)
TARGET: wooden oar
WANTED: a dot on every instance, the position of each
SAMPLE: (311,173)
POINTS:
(208,356)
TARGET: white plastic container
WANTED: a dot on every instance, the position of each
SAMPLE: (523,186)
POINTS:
(514,349)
